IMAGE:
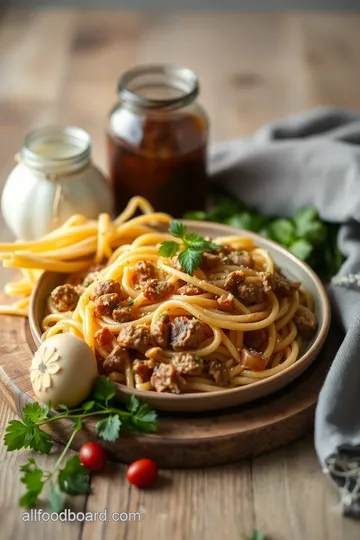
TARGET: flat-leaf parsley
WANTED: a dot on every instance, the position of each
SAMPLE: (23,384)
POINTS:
(191,247)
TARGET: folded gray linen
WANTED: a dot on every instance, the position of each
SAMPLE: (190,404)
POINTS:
(314,159)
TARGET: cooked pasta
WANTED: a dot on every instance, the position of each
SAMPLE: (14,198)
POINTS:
(152,326)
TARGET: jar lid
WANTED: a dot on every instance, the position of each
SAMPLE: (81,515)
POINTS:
(158,86)
(53,149)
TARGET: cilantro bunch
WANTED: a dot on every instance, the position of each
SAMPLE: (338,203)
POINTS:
(304,234)
(191,247)
(73,478)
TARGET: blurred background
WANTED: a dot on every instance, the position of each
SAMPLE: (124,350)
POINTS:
(61,63)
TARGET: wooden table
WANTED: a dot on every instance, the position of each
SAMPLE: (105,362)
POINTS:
(62,66)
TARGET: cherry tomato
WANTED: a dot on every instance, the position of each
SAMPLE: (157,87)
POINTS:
(92,456)
(142,473)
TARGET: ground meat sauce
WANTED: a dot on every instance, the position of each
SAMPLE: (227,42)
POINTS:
(219,372)
(160,331)
(123,314)
(144,368)
(283,286)
(255,339)
(306,323)
(186,333)
(104,337)
(167,379)
(65,298)
(186,364)
(134,337)
(108,286)
(189,290)
(210,261)
(248,292)
(226,302)
(106,303)
(145,271)
(240,258)
(156,290)
(116,359)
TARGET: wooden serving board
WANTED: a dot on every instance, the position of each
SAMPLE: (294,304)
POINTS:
(191,440)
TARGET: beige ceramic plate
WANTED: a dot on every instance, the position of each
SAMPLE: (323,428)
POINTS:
(292,267)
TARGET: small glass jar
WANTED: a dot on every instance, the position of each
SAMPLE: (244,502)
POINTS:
(53,180)
(157,140)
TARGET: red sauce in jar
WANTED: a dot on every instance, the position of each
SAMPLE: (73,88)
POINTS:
(159,154)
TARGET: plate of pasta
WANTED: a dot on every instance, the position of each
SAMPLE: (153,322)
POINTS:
(187,315)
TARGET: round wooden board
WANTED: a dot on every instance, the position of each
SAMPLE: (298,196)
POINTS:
(192,440)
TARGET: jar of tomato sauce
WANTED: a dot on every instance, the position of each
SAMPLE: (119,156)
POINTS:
(157,139)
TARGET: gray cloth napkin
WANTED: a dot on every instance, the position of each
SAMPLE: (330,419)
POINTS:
(314,159)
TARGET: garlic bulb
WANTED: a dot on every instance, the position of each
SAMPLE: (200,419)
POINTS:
(63,370)
(53,180)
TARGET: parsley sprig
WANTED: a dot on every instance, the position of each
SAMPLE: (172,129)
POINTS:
(73,478)
(192,247)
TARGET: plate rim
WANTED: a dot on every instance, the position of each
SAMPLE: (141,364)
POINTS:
(307,358)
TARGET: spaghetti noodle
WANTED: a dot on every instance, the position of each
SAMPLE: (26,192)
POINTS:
(151,325)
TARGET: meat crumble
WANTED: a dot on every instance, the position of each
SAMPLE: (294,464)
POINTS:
(189,290)
(210,261)
(283,286)
(160,331)
(123,314)
(186,333)
(143,368)
(306,323)
(186,364)
(156,290)
(251,291)
(145,271)
(116,359)
(134,337)
(219,372)
(106,303)
(65,297)
(108,286)
(104,337)
(165,378)
(226,302)
(241,258)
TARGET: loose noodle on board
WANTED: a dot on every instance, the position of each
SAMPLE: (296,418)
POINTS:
(78,244)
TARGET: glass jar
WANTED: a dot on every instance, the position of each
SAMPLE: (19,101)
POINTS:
(157,138)
(53,180)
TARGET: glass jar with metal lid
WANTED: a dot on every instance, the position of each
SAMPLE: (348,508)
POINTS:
(157,139)
(53,180)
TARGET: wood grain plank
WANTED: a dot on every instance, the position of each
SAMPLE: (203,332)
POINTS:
(186,505)
(12,525)
(330,49)
(293,499)
(33,63)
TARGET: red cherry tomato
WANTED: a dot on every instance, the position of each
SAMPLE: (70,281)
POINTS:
(92,456)
(142,473)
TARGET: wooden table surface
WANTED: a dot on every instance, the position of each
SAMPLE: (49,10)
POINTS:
(62,67)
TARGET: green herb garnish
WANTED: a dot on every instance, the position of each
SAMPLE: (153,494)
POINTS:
(130,302)
(73,478)
(197,359)
(304,234)
(256,535)
(192,247)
